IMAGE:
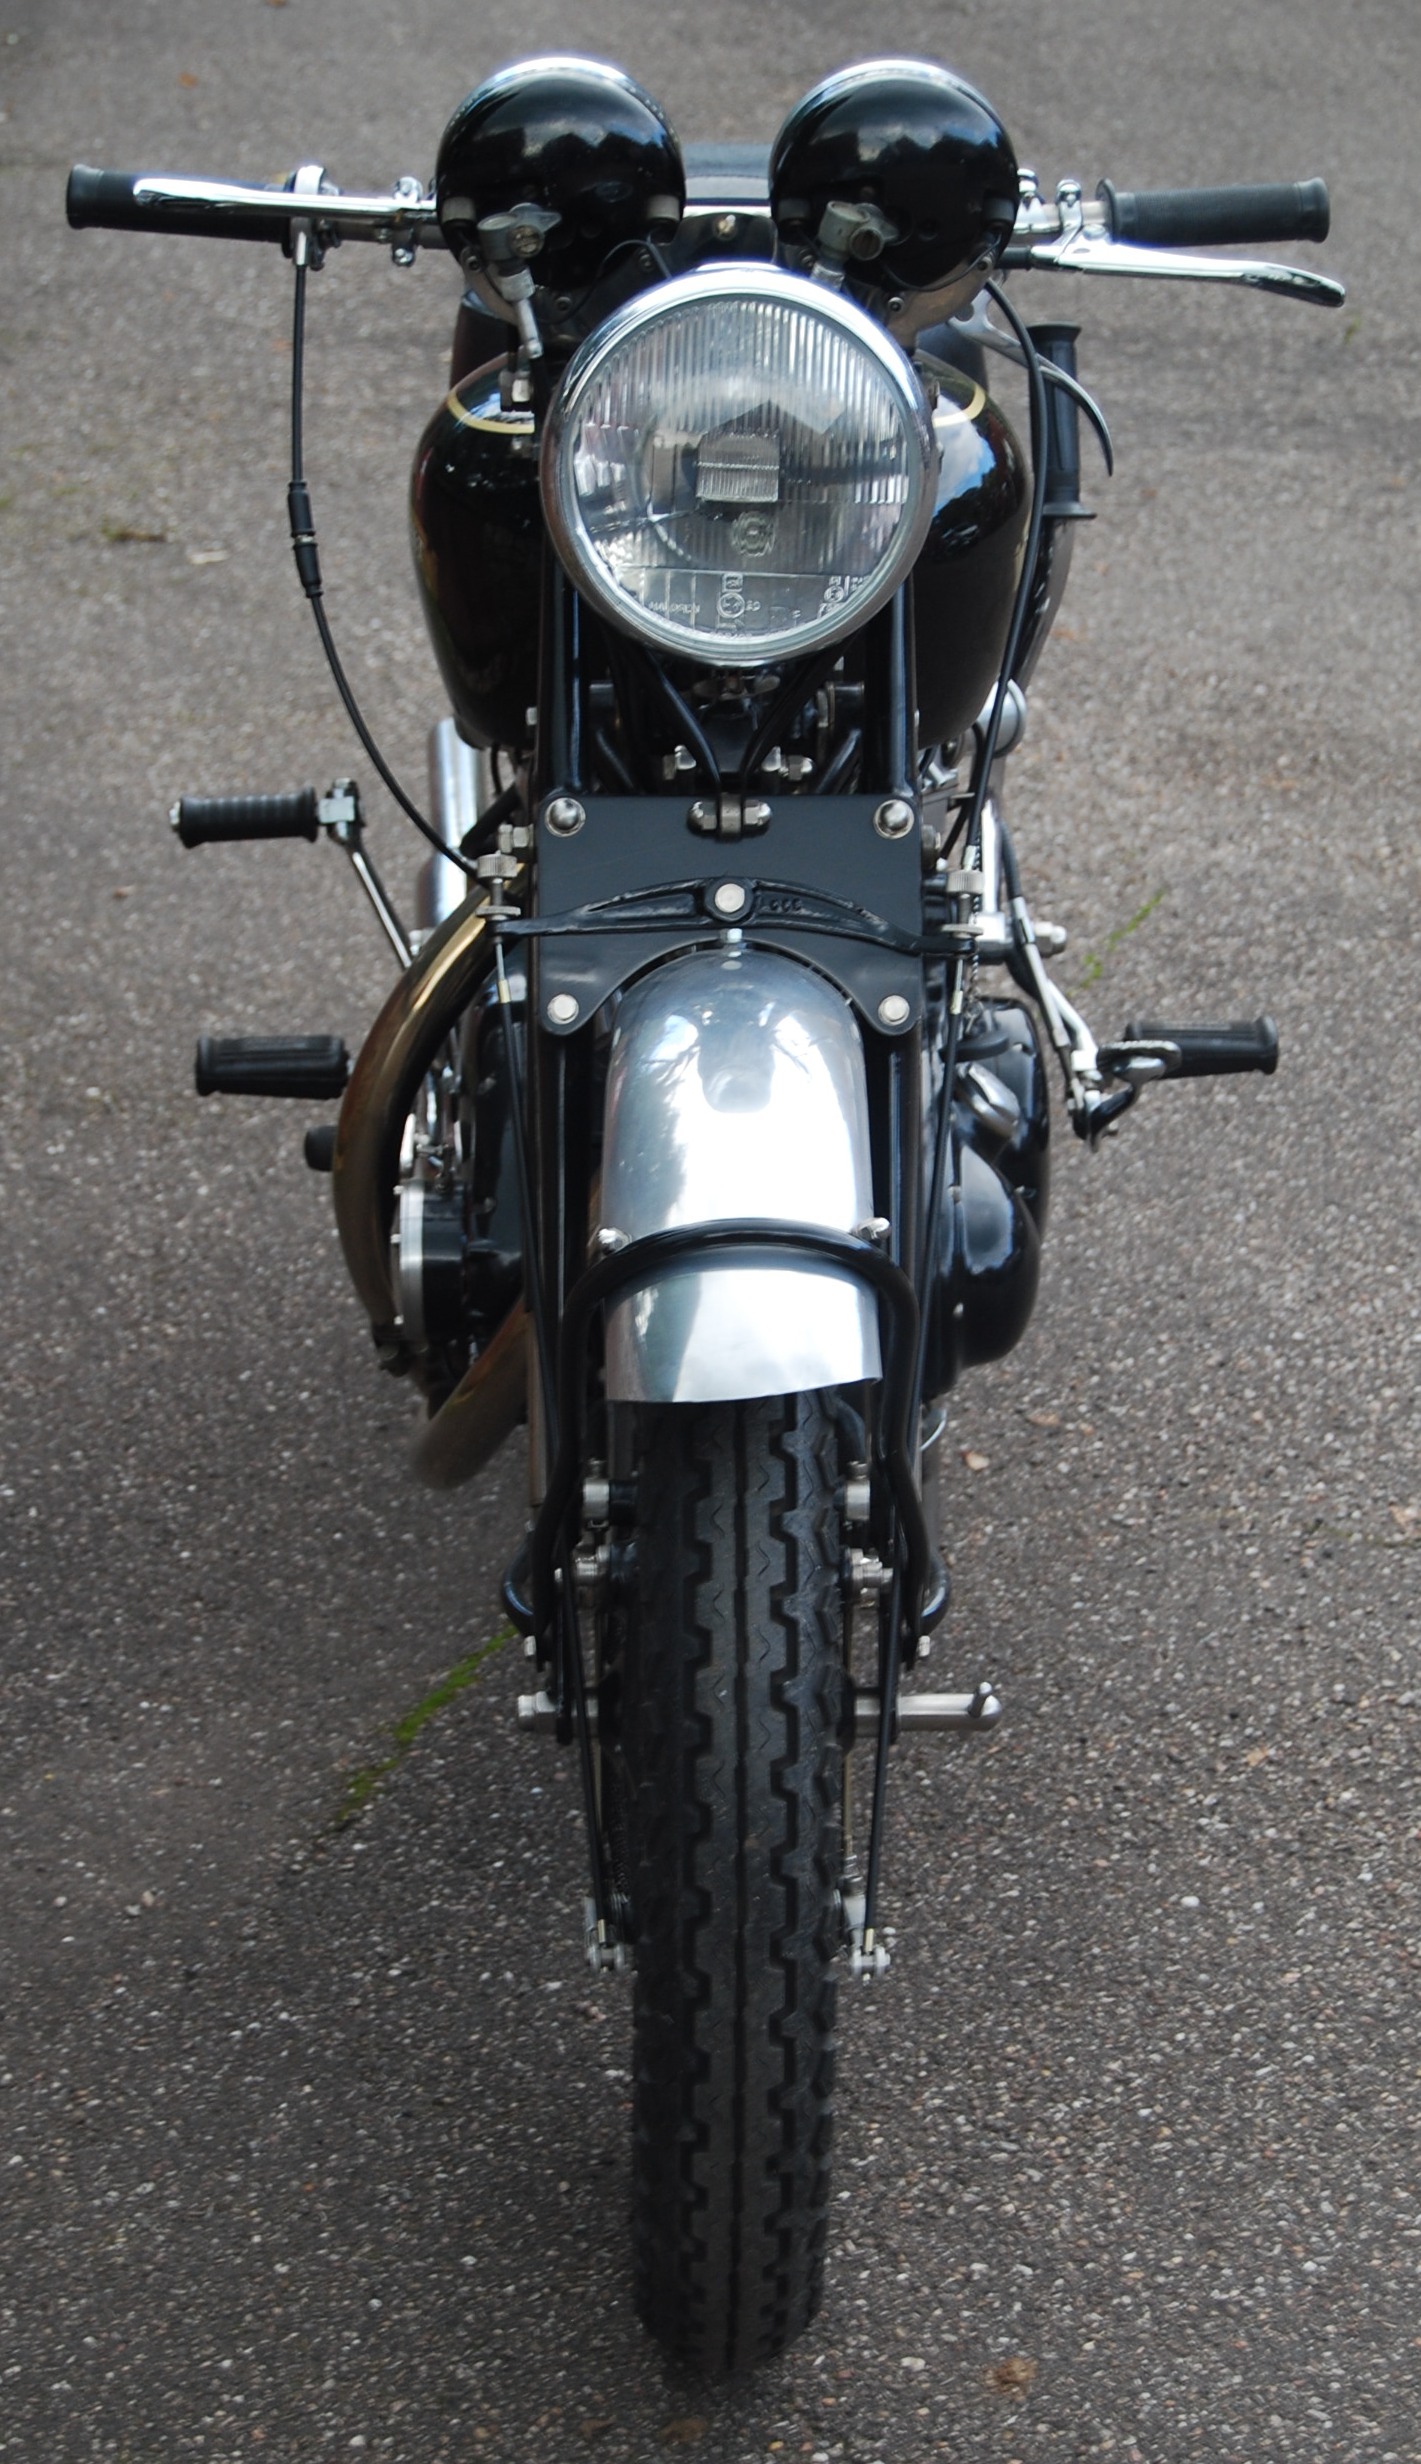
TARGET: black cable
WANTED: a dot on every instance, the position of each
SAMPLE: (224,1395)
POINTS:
(799,688)
(841,763)
(505,806)
(942,1140)
(612,763)
(572,1667)
(532,1270)
(647,247)
(308,567)
(987,752)
(681,714)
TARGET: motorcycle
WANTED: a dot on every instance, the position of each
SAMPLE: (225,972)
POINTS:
(707,1124)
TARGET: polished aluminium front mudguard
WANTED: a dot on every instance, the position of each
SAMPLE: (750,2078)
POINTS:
(736,1087)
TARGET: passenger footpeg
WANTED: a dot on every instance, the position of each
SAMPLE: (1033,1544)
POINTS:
(314,1066)
(1151,1050)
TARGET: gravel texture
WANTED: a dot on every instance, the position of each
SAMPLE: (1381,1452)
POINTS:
(315,2137)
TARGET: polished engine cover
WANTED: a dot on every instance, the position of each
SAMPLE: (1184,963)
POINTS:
(736,1088)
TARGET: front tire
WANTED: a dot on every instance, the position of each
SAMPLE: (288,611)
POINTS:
(729,1771)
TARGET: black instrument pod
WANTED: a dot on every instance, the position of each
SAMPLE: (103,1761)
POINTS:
(581,145)
(901,175)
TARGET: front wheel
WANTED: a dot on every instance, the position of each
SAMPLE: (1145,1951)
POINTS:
(727,1766)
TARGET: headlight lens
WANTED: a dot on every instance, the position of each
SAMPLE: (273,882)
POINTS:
(739,466)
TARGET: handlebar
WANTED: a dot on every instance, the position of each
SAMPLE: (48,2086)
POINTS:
(1218,217)
(1121,231)
(109,201)
(237,210)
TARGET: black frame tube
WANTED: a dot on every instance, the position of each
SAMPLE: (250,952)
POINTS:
(890,750)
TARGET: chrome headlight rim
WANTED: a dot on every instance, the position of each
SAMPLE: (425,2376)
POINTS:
(730,280)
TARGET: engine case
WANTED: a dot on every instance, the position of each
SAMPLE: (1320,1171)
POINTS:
(988,1239)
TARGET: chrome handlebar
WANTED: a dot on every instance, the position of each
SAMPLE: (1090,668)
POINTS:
(1070,235)
(408,209)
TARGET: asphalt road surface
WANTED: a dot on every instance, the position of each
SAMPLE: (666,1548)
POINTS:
(315,2137)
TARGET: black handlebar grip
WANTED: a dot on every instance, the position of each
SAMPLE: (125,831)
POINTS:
(202,820)
(104,201)
(1218,217)
(1214,1052)
(313,1066)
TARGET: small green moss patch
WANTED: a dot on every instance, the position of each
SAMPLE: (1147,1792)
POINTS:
(1095,965)
(370,1779)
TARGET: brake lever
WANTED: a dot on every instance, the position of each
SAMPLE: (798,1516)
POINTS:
(1080,251)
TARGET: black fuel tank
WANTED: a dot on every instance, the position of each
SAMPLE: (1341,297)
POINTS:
(477,526)
(966,575)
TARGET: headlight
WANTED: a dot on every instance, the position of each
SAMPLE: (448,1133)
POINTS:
(739,466)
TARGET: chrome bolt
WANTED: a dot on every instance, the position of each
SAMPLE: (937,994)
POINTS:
(563,1009)
(565,816)
(894,1010)
(894,818)
(724,226)
(730,898)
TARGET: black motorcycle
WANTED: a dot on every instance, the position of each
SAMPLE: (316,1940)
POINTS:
(707,1126)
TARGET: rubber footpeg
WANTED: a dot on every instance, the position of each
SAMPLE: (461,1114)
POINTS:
(1214,1052)
(313,1066)
(204,821)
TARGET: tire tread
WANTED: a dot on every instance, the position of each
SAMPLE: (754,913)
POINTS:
(731,1709)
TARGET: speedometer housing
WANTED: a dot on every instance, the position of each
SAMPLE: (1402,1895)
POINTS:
(739,467)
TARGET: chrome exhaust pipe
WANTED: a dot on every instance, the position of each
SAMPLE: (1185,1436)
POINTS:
(486,1405)
(454,959)
(403,1044)
(454,800)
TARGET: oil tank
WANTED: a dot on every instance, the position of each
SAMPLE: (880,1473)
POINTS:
(477,524)
(965,579)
